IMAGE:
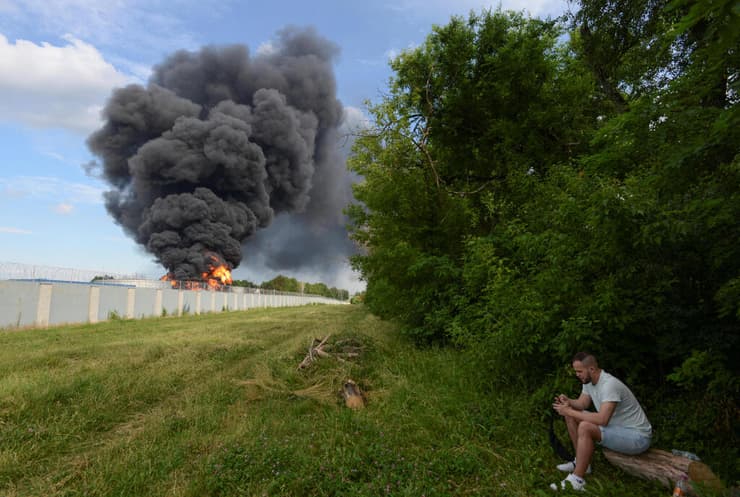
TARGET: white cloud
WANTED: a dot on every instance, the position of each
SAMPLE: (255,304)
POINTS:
(129,25)
(353,121)
(55,156)
(55,86)
(14,231)
(266,48)
(139,72)
(392,53)
(64,209)
(65,192)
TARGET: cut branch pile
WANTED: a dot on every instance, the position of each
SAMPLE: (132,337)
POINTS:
(342,350)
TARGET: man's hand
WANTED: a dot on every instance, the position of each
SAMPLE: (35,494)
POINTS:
(562,405)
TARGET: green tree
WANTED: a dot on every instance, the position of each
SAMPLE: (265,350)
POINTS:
(480,110)
(316,289)
(325,291)
(282,284)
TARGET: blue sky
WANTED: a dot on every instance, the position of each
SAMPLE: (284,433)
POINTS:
(60,59)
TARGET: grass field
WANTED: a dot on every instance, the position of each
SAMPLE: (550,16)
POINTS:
(215,405)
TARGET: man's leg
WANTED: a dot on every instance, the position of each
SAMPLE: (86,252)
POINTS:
(588,434)
(572,424)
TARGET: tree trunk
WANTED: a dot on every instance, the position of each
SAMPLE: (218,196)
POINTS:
(664,467)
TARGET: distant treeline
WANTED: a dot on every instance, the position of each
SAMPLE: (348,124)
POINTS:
(285,284)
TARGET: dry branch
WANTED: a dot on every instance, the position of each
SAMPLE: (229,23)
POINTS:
(315,349)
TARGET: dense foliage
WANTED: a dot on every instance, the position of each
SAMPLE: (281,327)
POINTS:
(529,197)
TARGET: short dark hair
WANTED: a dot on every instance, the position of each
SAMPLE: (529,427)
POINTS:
(585,358)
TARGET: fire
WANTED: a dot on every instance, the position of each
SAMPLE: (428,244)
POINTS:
(223,274)
(217,276)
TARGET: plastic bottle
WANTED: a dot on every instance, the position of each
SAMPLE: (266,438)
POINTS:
(682,487)
(686,454)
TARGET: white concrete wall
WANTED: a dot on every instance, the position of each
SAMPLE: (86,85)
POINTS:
(43,303)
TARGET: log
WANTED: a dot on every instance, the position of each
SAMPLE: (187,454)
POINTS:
(353,397)
(664,467)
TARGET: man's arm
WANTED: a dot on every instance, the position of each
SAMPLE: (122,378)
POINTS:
(600,418)
(579,404)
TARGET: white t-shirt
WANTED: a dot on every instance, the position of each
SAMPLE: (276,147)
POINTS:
(628,413)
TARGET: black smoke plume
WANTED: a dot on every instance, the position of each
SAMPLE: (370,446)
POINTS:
(218,143)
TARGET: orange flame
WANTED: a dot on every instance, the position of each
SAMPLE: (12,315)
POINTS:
(218,271)
(218,275)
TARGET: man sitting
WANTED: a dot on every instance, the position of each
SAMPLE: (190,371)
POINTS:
(619,422)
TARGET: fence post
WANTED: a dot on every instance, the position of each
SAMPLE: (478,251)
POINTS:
(130,303)
(158,303)
(93,304)
(43,308)
(180,300)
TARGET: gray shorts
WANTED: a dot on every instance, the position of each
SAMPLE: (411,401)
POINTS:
(624,440)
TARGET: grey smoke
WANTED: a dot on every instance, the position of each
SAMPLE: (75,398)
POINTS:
(218,144)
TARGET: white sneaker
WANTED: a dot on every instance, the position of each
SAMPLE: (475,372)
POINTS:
(570,466)
(575,482)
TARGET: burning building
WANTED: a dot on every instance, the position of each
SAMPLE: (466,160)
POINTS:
(215,146)
(218,275)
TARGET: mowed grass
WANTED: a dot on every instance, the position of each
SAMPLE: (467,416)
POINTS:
(214,405)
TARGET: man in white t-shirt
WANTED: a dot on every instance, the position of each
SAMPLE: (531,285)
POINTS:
(619,422)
